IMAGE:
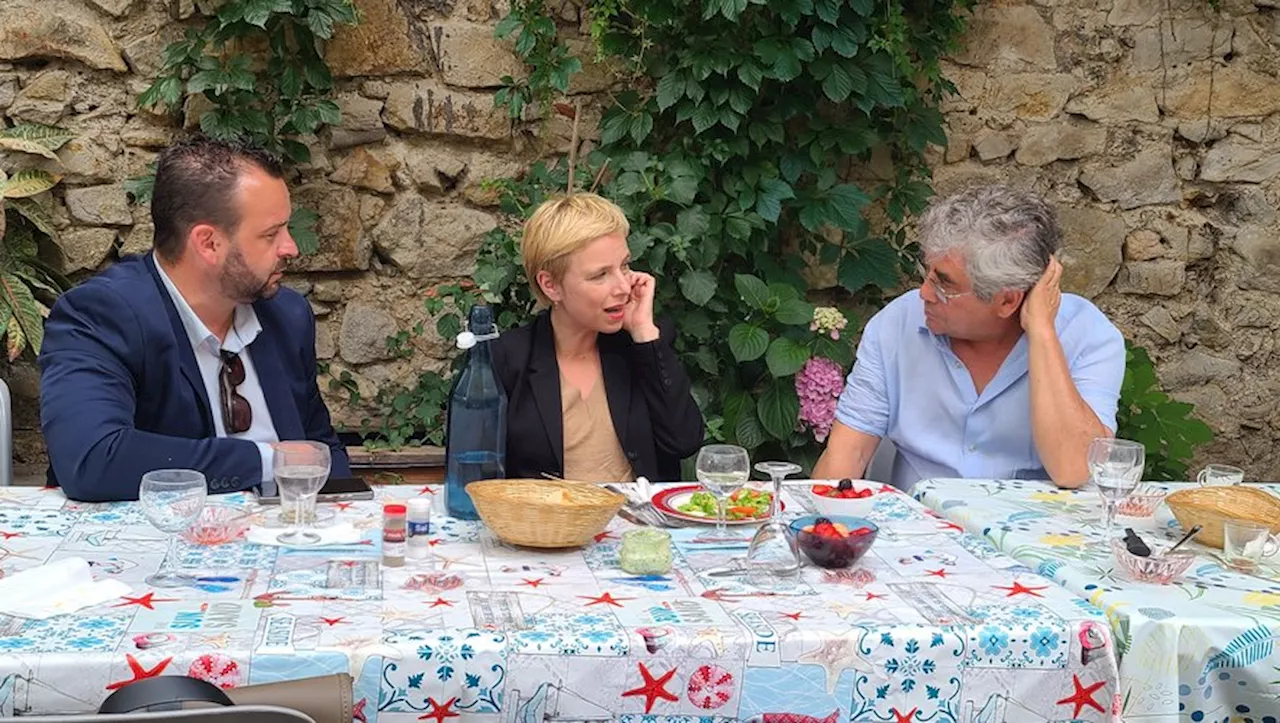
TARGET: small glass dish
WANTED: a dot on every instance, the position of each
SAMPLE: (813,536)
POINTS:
(834,552)
(1142,502)
(1158,568)
(218,524)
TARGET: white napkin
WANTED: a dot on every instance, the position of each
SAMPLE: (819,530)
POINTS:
(342,533)
(59,587)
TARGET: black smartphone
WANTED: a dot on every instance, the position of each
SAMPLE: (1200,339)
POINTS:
(336,489)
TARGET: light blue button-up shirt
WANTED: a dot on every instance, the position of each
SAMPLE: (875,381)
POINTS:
(909,387)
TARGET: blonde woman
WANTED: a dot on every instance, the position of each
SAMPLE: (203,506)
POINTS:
(594,388)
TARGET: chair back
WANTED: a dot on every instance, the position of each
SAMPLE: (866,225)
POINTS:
(6,436)
(226,714)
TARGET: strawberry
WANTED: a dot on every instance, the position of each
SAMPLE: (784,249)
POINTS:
(861,531)
(824,490)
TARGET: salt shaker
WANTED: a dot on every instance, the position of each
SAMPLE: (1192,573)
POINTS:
(418,546)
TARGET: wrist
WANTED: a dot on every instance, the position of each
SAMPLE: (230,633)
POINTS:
(1041,335)
(645,333)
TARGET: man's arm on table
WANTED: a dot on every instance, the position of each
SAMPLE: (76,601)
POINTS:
(862,414)
(88,403)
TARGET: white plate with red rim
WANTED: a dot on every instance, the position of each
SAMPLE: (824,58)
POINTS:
(668,502)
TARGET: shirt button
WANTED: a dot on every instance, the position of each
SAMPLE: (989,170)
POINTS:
(973,448)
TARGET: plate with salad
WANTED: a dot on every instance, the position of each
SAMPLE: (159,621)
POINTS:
(694,504)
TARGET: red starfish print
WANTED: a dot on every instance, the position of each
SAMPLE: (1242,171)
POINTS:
(532,583)
(439,601)
(434,541)
(606,535)
(951,526)
(888,489)
(872,596)
(10,535)
(1083,696)
(334,621)
(940,572)
(653,688)
(428,490)
(357,711)
(1020,589)
(793,616)
(144,601)
(139,672)
(344,506)
(605,599)
(438,711)
(904,717)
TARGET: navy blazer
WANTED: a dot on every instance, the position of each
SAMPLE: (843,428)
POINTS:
(654,413)
(121,393)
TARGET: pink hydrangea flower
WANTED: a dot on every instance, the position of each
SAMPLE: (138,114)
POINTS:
(818,384)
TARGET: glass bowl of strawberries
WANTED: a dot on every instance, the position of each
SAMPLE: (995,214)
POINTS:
(846,497)
(834,541)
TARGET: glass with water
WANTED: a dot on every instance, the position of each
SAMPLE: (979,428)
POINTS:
(1116,467)
(171,499)
(722,469)
(300,470)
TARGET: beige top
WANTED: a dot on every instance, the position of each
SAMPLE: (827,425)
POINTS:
(591,448)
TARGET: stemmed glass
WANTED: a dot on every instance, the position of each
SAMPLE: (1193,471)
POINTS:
(1116,466)
(171,499)
(300,470)
(773,559)
(722,469)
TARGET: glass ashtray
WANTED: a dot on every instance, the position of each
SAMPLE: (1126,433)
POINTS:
(1158,568)
(1142,502)
(218,524)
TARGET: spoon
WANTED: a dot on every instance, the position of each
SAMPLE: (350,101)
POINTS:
(1190,534)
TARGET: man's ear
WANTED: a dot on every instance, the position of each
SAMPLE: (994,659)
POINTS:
(205,241)
(1008,302)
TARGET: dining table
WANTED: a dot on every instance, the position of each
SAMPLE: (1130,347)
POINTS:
(1200,648)
(932,624)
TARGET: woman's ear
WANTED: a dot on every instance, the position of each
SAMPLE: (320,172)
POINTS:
(549,286)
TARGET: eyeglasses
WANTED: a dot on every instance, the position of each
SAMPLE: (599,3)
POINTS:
(237,415)
(944,296)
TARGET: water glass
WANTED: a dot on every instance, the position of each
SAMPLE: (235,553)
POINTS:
(1245,543)
(300,470)
(1116,467)
(171,499)
(773,558)
(722,469)
(1220,475)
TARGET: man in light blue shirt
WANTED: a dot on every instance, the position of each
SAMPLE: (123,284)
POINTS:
(988,370)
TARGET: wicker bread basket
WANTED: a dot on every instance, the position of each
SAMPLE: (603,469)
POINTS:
(1210,506)
(544,513)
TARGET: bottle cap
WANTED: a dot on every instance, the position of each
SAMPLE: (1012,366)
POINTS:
(394,509)
(420,507)
(466,340)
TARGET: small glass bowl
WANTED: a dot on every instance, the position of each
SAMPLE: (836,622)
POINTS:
(218,524)
(1142,502)
(1159,568)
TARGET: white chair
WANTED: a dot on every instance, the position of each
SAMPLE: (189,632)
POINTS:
(227,714)
(6,436)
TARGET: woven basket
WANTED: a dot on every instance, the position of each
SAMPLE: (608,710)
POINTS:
(1210,506)
(544,513)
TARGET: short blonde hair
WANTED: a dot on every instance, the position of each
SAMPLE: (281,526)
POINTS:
(563,226)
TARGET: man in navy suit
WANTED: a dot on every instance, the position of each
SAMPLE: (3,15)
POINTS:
(192,356)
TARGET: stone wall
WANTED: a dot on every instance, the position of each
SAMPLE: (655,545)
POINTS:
(1153,124)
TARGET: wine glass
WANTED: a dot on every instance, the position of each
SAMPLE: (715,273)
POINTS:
(773,559)
(1116,466)
(171,499)
(722,469)
(300,469)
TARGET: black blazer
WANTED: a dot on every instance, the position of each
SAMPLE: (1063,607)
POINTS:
(656,419)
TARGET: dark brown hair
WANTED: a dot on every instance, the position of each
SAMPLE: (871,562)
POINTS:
(196,181)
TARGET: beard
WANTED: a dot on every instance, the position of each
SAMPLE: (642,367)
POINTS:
(240,283)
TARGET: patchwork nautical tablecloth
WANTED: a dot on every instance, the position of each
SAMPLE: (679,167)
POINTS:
(933,625)
(1200,649)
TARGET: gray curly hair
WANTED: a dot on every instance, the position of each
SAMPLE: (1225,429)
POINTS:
(1004,236)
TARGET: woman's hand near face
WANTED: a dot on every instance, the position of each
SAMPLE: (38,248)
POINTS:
(638,318)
